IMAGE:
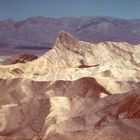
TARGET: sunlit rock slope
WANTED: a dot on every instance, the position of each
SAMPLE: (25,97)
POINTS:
(76,91)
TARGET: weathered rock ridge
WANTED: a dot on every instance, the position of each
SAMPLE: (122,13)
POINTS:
(76,91)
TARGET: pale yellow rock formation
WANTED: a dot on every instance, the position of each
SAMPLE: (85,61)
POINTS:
(110,63)
(76,91)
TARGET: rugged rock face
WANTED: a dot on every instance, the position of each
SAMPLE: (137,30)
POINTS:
(76,91)
(66,110)
(116,66)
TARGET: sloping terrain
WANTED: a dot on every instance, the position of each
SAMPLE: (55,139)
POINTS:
(76,91)
(115,65)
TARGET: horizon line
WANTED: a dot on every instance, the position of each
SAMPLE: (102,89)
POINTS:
(28,17)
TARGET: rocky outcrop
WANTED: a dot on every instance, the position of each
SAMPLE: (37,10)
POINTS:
(76,91)
(114,65)
(109,118)
(66,110)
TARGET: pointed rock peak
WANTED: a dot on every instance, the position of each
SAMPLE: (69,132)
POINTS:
(66,39)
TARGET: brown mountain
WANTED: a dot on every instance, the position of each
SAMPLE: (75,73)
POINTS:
(21,58)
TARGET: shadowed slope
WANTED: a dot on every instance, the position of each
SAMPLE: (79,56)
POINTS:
(66,110)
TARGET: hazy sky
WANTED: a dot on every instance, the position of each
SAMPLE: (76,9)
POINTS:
(21,9)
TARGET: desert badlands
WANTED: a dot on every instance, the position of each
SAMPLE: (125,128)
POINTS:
(75,91)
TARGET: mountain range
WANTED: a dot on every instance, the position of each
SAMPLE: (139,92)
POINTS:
(39,33)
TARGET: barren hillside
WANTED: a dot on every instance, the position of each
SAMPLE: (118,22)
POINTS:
(76,91)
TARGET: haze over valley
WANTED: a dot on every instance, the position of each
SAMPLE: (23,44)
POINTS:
(38,34)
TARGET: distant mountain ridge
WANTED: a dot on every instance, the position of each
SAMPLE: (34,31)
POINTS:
(41,32)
